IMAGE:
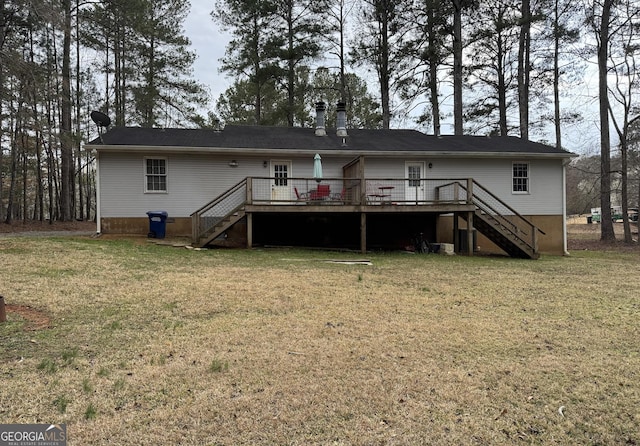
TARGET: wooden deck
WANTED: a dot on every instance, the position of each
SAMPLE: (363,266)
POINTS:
(464,198)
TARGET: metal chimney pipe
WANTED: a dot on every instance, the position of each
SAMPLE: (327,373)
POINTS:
(342,119)
(320,109)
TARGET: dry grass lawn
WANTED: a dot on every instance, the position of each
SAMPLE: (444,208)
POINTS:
(150,345)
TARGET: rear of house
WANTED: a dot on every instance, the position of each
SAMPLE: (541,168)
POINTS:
(401,172)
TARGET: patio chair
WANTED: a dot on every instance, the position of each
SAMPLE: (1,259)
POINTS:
(338,196)
(301,196)
(321,193)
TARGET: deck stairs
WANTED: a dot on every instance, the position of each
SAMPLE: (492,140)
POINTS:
(511,241)
(510,231)
(213,219)
(220,227)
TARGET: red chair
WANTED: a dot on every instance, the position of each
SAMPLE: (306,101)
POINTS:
(301,196)
(321,193)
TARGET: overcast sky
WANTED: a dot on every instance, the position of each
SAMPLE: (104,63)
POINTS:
(209,44)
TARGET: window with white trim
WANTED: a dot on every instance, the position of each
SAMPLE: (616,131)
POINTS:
(155,175)
(520,178)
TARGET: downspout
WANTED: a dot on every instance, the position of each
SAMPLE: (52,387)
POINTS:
(564,206)
(98,219)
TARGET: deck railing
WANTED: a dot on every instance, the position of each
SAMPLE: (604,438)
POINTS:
(354,191)
(495,209)
(213,212)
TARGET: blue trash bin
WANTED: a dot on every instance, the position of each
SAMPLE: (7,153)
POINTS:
(157,224)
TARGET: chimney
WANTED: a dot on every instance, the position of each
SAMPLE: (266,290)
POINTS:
(320,109)
(342,119)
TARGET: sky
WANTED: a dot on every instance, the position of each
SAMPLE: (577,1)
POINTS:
(209,43)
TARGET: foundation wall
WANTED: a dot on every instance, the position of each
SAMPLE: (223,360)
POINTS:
(176,227)
(552,242)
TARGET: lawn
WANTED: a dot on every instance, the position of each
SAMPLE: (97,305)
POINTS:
(130,343)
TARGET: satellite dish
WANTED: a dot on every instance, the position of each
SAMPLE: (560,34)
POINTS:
(100,119)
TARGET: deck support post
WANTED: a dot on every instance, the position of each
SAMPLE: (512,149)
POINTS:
(470,246)
(456,233)
(363,233)
(249,230)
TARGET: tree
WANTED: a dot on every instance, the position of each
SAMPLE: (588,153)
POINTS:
(625,93)
(427,52)
(564,32)
(163,91)
(301,35)
(381,33)
(600,19)
(493,58)
(251,53)
(147,64)
(66,137)
(583,184)
(524,67)
(362,109)
(338,13)
(235,105)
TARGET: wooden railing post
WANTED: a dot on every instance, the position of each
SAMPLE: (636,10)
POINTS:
(249,190)
(469,190)
(195,227)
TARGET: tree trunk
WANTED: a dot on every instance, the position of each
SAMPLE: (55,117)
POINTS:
(433,75)
(502,89)
(524,67)
(383,66)
(556,74)
(606,226)
(291,69)
(66,139)
(457,68)
(13,176)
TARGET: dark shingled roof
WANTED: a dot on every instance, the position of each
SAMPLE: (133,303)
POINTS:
(288,138)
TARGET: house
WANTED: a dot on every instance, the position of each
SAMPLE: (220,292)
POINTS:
(254,185)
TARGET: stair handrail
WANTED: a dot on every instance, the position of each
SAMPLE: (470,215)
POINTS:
(517,230)
(196,216)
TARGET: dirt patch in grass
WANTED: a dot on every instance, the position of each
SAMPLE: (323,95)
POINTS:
(586,237)
(33,319)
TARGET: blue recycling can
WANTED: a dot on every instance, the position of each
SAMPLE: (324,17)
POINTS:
(157,224)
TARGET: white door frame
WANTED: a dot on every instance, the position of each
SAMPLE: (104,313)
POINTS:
(414,190)
(280,185)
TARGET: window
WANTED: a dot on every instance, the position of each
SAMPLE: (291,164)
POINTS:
(520,178)
(281,173)
(155,175)
(414,172)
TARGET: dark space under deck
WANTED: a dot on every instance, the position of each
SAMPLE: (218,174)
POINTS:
(386,227)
